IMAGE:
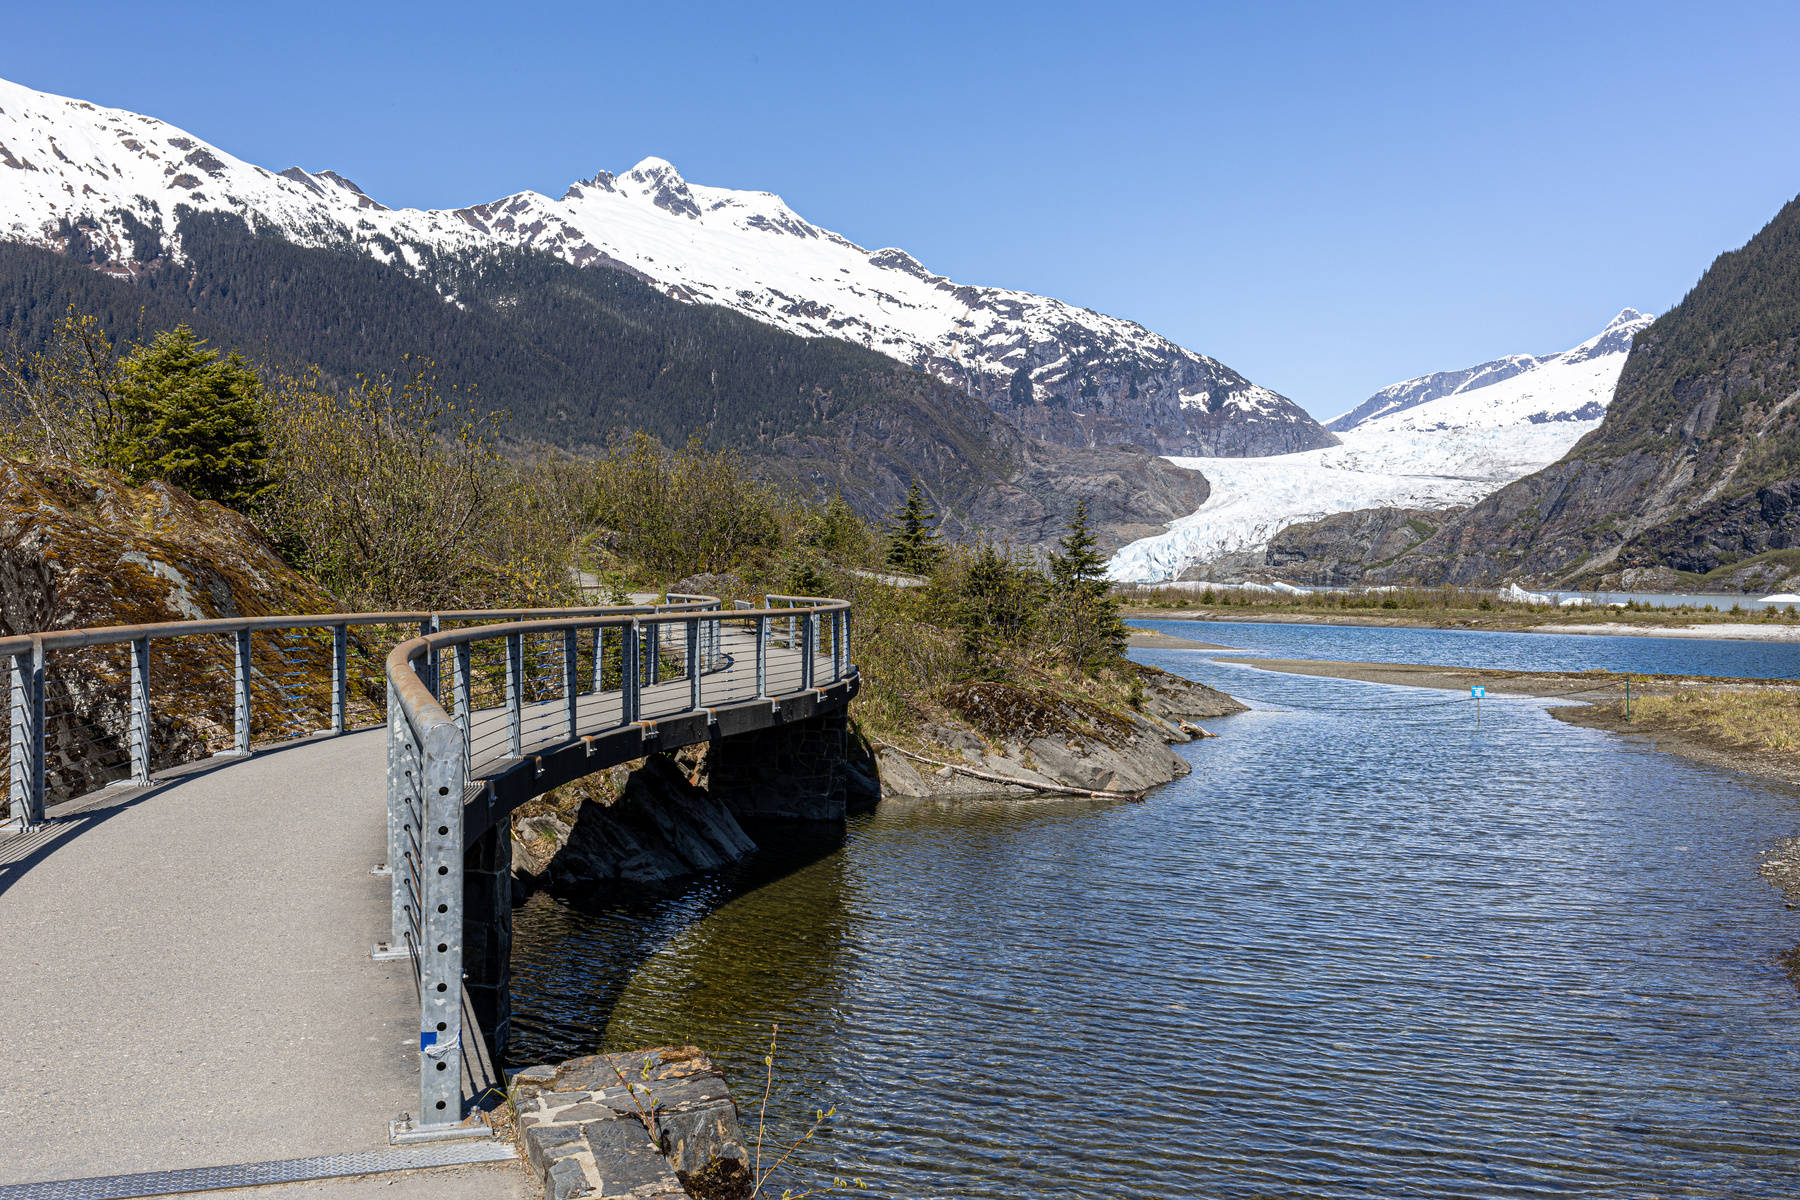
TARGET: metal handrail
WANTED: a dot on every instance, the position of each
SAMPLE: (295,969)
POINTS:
(431,764)
(432,768)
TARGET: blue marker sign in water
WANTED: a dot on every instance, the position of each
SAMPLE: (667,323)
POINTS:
(1478,693)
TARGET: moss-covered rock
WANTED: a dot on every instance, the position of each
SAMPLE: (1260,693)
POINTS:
(81,548)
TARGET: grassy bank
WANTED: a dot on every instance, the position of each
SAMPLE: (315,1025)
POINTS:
(1439,608)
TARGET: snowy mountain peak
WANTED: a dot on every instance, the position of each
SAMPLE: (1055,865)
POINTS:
(1396,398)
(114,187)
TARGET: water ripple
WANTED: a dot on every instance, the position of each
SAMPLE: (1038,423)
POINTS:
(1357,953)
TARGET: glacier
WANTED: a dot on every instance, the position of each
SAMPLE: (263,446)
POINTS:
(1459,443)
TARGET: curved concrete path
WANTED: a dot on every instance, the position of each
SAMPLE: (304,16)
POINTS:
(187,972)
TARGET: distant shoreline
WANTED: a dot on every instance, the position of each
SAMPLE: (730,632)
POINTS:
(1742,631)
(1595,702)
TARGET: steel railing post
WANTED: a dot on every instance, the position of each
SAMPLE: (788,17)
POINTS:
(429,675)
(693,662)
(837,645)
(847,663)
(242,646)
(464,690)
(653,642)
(628,673)
(571,681)
(27,791)
(599,658)
(440,952)
(809,632)
(340,678)
(762,657)
(140,710)
(515,694)
(400,828)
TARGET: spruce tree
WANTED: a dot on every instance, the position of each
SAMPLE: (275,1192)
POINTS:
(193,419)
(1092,635)
(1080,567)
(912,540)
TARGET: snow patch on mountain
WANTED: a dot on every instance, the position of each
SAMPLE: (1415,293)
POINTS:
(112,183)
(1452,448)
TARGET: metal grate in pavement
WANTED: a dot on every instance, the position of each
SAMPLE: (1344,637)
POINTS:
(290,1170)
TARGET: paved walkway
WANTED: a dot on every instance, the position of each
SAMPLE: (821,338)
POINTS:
(187,971)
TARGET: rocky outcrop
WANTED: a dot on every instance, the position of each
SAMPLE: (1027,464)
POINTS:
(80,547)
(1704,422)
(661,826)
(981,474)
(1336,550)
(1048,741)
(658,1124)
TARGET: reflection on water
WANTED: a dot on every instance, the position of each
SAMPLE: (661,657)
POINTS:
(1359,952)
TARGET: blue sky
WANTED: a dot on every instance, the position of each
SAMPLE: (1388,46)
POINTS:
(1327,198)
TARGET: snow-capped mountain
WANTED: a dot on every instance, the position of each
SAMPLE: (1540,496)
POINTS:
(112,186)
(1438,441)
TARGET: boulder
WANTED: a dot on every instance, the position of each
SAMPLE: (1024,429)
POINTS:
(80,547)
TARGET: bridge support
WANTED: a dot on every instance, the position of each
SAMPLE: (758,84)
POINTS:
(793,772)
(487,934)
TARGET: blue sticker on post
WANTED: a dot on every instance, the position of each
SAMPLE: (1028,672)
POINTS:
(427,1039)
(1478,693)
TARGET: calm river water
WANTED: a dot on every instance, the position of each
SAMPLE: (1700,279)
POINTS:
(1365,949)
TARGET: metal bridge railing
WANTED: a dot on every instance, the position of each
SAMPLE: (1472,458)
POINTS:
(463,695)
(528,688)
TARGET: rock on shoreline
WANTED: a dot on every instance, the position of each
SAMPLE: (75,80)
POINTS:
(657,1124)
(1047,741)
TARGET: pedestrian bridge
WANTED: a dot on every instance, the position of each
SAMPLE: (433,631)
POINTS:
(254,881)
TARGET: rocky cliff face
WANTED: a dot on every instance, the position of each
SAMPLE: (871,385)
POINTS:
(81,548)
(981,474)
(1704,422)
(1338,550)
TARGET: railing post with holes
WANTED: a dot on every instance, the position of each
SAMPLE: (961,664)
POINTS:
(628,673)
(515,694)
(140,710)
(429,675)
(847,663)
(837,645)
(693,661)
(599,658)
(27,793)
(464,691)
(441,947)
(340,678)
(571,682)
(762,657)
(653,639)
(809,631)
(242,645)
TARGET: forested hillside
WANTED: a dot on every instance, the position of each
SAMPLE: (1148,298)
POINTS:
(577,357)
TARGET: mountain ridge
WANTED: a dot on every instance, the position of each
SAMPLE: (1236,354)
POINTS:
(107,184)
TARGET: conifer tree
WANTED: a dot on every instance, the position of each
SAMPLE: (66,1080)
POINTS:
(912,539)
(193,419)
(1091,634)
(1080,567)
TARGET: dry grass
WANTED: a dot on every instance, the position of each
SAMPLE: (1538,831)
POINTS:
(1754,718)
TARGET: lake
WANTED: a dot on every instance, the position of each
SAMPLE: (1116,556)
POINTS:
(1365,949)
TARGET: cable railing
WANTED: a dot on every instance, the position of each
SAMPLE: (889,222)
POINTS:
(593,687)
(471,700)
